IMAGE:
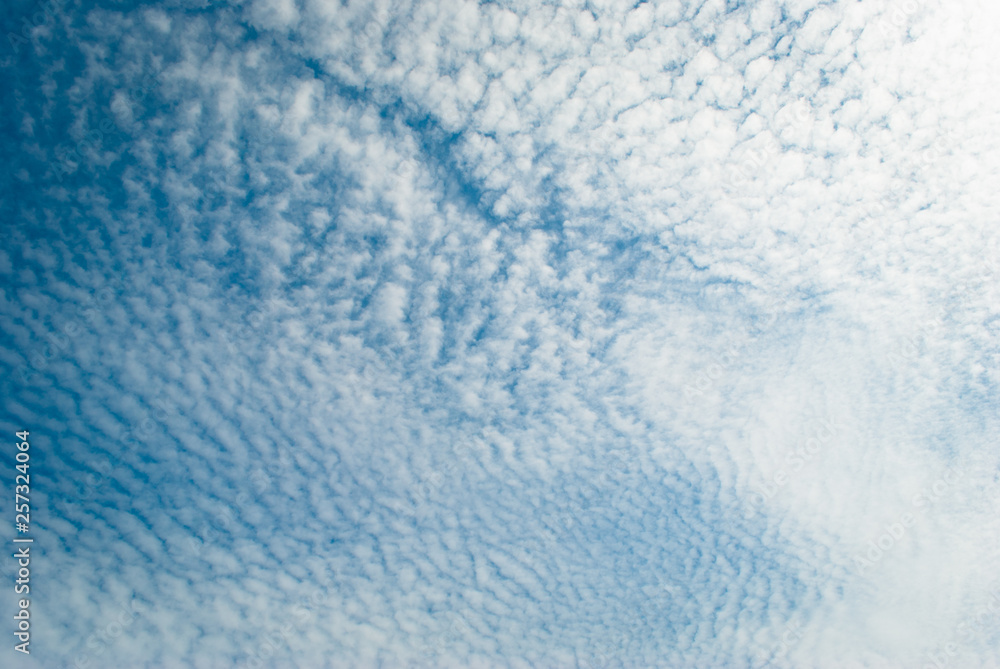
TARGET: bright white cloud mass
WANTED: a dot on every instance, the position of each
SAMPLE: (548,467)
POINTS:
(510,334)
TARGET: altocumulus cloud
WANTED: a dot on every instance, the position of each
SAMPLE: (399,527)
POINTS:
(504,334)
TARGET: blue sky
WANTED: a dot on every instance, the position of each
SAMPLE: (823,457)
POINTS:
(592,334)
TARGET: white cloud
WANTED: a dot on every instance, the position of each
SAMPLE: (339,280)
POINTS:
(401,288)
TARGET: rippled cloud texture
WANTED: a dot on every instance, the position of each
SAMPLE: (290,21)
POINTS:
(513,334)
